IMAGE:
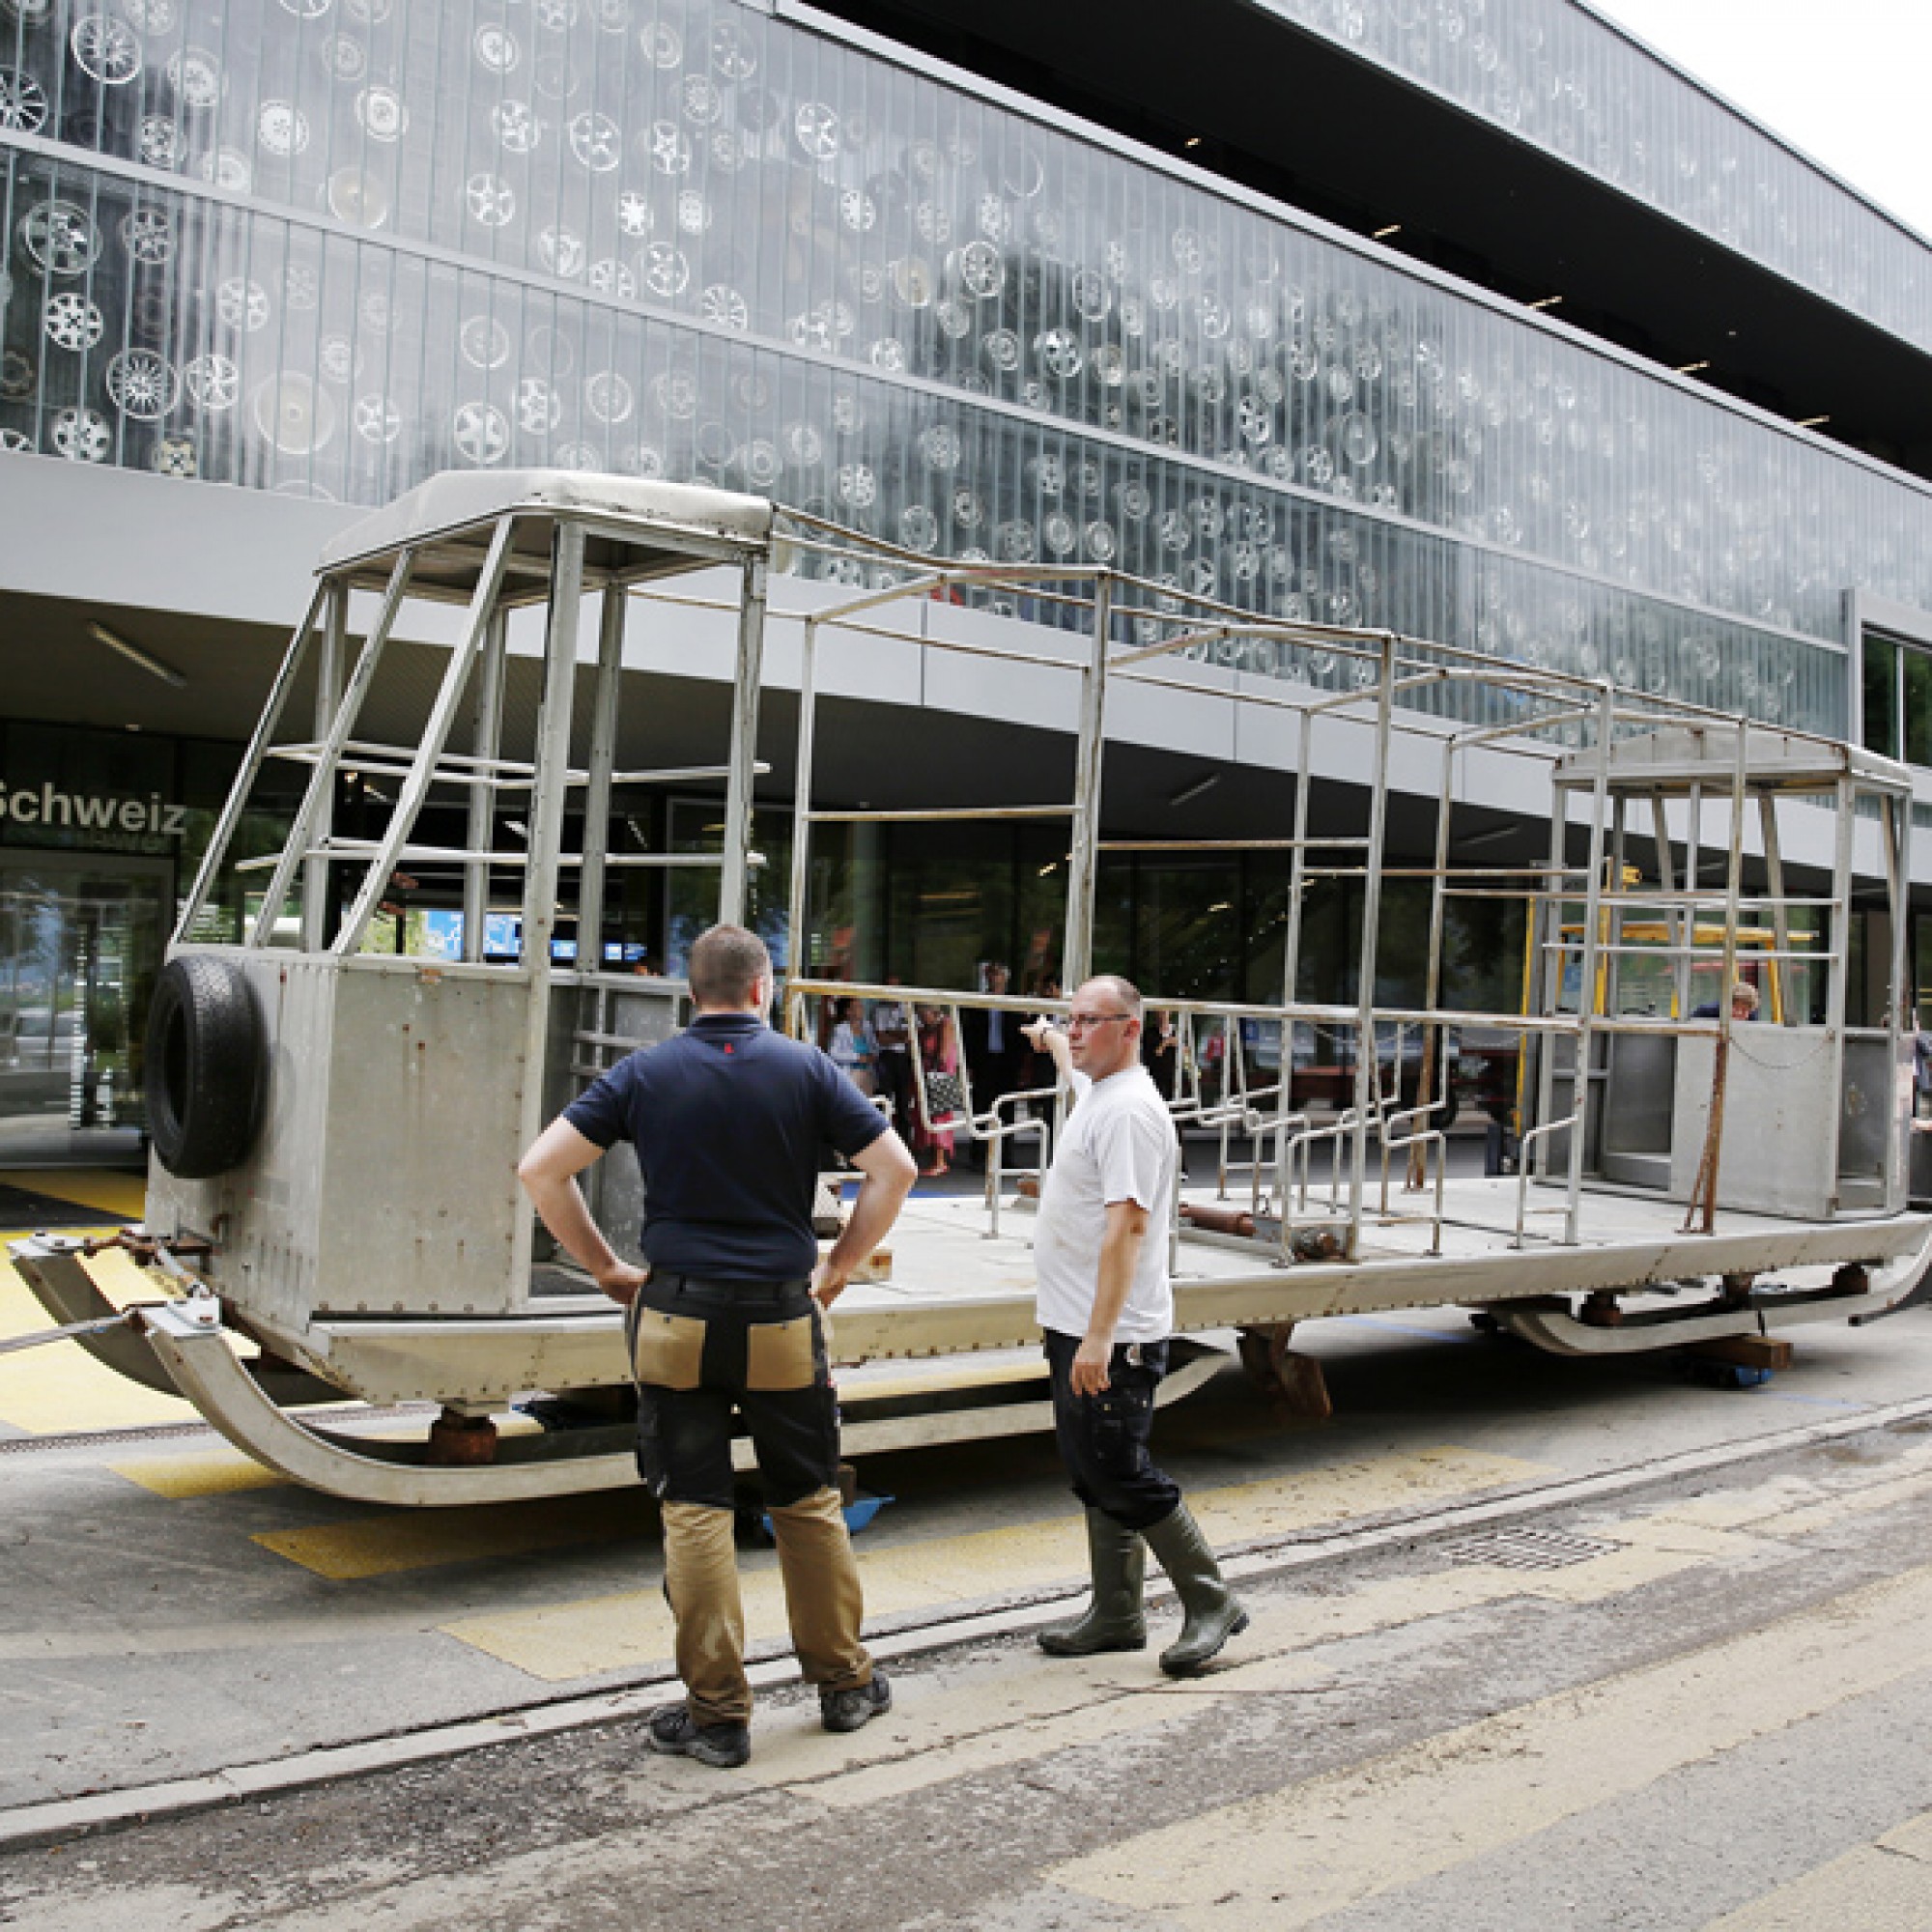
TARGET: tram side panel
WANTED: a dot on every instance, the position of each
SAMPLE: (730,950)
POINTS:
(383,1179)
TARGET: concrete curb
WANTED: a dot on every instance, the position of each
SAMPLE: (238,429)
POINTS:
(27,1825)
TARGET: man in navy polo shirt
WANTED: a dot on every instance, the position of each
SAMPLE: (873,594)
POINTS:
(730,1120)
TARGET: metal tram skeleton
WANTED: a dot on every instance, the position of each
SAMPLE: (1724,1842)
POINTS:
(333,1218)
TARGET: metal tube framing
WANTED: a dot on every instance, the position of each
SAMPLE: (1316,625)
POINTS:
(1781,914)
(1432,997)
(1584,1047)
(327,695)
(223,835)
(1367,1067)
(488,741)
(546,844)
(552,756)
(1704,1191)
(733,885)
(801,817)
(1838,973)
(321,780)
(435,735)
(1898,888)
(1076,958)
(597,786)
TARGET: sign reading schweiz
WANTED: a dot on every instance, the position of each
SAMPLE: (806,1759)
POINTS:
(92,811)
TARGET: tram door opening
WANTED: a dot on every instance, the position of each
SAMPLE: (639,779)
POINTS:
(80,945)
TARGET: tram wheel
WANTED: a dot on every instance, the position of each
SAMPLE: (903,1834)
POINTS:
(206,1066)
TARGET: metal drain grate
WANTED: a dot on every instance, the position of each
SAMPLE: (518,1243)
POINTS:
(1526,1548)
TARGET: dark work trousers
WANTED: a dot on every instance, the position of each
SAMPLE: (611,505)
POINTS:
(892,1073)
(699,1350)
(1103,1438)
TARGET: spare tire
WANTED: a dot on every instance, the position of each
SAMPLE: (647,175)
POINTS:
(207,1066)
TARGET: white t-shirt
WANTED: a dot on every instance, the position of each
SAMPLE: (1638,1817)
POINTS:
(1119,1144)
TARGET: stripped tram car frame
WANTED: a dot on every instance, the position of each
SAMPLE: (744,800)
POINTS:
(332,1217)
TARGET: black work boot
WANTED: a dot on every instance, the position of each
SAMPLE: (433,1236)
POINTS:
(1114,1619)
(1210,1614)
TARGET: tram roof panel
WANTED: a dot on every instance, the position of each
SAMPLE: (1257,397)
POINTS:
(639,526)
(1676,758)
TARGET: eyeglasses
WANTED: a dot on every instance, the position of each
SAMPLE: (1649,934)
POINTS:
(1078,1022)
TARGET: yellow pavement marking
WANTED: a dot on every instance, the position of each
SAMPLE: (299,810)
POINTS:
(123,1194)
(582,1638)
(62,1388)
(1883,1887)
(1288,1859)
(1008,1714)
(380,1546)
(214,1472)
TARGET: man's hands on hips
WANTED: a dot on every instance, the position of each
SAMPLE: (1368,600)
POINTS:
(1089,1376)
(620,1281)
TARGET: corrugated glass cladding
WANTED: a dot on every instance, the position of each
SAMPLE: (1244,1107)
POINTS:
(707,243)
(1555,74)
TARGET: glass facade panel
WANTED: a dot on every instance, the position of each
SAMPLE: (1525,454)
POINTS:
(329,250)
(1558,74)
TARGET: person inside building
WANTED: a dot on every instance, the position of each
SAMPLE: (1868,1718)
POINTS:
(850,1042)
(729,1119)
(994,1048)
(939,1068)
(1743,1004)
(890,1024)
(1106,1310)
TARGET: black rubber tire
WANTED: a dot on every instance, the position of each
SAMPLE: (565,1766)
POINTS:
(207,1066)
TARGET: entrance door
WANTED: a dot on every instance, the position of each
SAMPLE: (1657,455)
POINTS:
(80,945)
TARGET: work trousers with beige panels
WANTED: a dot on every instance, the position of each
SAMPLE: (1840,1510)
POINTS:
(702,1351)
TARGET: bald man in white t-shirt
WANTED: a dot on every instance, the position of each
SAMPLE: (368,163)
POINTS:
(1106,1311)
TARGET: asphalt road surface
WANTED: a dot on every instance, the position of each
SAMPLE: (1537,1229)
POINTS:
(1536,1643)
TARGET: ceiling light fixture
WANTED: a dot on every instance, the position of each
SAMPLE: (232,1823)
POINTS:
(1546,301)
(1383,234)
(1193,140)
(1186,793)
(1812,423)
(1692,368)
(136,655)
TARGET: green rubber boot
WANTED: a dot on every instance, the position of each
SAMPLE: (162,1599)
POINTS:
(1114,1619)
(1210,1612)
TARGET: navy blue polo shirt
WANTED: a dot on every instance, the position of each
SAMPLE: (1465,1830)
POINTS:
(730,1120)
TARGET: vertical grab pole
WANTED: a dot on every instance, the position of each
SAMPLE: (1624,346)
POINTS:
(1693,867)
(1291,965)
(547,810)
(1367,1071)
(1666,879)
(597,779)
(1898,892)
(327,695)
(1704,1193)
(801,826)
(1593,940)
(1781,976)
(733,884)
(1431,1036)
(1076,958)
(1549,961)
(1838,972)
(487,742)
